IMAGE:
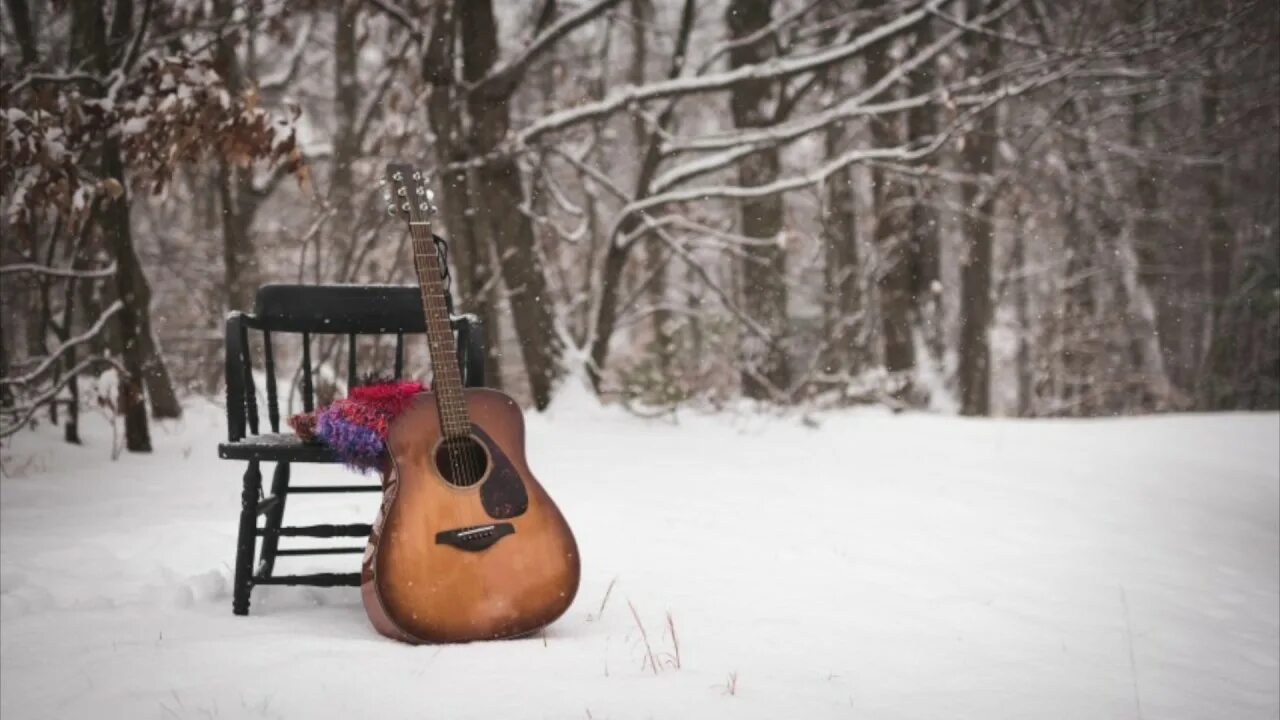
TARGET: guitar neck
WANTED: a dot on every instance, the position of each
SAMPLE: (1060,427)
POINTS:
(446,381)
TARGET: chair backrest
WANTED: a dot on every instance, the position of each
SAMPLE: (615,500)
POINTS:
(357,309)
(307,310)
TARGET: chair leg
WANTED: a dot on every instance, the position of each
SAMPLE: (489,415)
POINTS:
(275,517)
(247,539)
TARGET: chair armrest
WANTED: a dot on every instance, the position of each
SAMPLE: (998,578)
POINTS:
(242,396)
(234,375)
(471,349)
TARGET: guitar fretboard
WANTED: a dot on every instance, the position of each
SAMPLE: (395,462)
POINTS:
(446,381)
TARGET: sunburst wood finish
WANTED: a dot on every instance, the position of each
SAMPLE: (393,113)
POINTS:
(418,590)
(467,545)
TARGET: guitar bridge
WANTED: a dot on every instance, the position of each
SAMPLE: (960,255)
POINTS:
(476,537)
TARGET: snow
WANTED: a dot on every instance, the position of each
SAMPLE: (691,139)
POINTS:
(133,126)
(855,565)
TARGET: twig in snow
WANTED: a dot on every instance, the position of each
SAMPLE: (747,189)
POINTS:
(1133,662)
(644,636)
(605,599)
(675,641)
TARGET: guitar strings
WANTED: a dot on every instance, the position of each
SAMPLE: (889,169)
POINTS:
(420,261)
(452,410)
(467,467)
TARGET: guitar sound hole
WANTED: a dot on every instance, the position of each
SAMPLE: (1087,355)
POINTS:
(461,461)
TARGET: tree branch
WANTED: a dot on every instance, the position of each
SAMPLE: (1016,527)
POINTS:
(30,409)
(397,13)
(771,70)
(54,78)
(56,354)
(292,61)
(502,80)
(901,153)
(58,272)
(135,46)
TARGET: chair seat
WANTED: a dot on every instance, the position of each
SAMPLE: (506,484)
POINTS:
(276,447)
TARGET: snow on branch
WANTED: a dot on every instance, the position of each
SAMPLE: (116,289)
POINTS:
(737,145)
(768,30)
(70,343)
(53,78)
(774,69)
(25,412)
(900,153)
(502,80)
(38,269)
(851,107)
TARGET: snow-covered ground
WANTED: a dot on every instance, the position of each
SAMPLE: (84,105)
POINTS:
(873,566)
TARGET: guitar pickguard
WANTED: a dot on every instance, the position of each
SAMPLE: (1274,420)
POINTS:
(503,495)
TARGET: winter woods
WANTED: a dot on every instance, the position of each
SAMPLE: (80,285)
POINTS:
(1017,208)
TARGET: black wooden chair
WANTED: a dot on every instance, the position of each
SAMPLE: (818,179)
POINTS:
(309,310)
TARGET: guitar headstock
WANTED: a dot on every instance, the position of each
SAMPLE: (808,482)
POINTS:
(404,188)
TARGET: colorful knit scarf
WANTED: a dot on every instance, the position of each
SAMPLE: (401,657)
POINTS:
(356,427)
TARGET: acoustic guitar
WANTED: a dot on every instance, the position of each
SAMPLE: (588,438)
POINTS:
(467,545)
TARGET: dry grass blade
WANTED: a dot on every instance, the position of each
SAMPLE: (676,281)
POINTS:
(644,636)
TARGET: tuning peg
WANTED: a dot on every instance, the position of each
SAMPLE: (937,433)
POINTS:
(397,176)
(405,207)
(391,210)
(417,176)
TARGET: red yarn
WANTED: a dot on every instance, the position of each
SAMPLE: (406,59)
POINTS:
(375,406)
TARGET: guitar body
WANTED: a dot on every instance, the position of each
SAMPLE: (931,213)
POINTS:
(478,557)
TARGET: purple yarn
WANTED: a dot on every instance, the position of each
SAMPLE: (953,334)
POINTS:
(358,446)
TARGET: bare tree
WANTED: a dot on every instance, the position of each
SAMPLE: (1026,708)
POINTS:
(756,104)
(978,206)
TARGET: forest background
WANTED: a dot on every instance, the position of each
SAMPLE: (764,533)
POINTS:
(1017,207)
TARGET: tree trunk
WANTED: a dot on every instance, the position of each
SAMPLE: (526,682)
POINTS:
(894,276)
(642,13)
(132,322)
(6,395)
(239,259)
(1136,253)
(472,255)
(616,253)
(1216,378)
(842,291)
(978,158)
(922,220)
(494,193)
(235,193)
(346,94)
(155,372)
(499,197)
(89,46)
(79,258)
(23,30)
(615,260)
(1021,299)
(764,266)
